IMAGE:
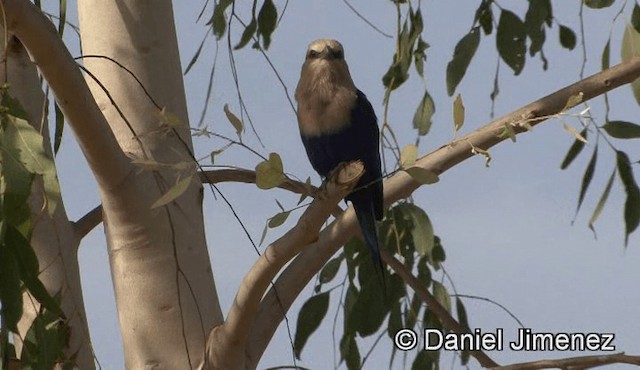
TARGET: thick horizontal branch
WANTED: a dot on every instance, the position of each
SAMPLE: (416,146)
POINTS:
(584,362)
(40,38)
(296,276)
(226,343)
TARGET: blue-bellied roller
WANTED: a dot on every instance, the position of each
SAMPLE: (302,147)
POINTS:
(337,124)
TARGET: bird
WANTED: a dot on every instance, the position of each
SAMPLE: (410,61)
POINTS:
(338,124)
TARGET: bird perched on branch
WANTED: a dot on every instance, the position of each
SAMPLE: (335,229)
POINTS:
(337,124)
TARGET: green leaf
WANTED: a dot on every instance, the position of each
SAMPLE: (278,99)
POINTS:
(601,202)
(511,40)
(598,4)
(462,55)
(270,173)
(622,129)
(538,13)
(278,219)
(422,176)
(441,295)
(458,113)
(330,270)
(267,19)
(423,361)
(26,145)
(606,55)
(395,320)
(309,319)
(248,33)
(349,351)
(370,300)
(568,38)
(174,192)
(218,19)
(29,269)
(422,117)
(463,320)
(44,343)
(419,56)
(408,155)
(574,150)
(484,16)
(632,203)
(631,49)
(422,229)
(635,17)
(10,289)
(587,177)
(57,138)
(233,119)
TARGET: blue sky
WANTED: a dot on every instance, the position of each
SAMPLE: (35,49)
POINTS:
(506,229)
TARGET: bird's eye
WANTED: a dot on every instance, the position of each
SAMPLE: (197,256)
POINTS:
(313,54)
(338,54)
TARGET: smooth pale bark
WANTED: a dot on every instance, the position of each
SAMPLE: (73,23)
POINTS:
(53,238)
(165,292)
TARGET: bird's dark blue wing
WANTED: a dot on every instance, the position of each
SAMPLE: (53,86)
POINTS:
(358,140)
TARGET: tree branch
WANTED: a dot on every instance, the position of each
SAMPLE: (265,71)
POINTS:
(226,343)
(574,363)
(93,218)
(107,161)
(445,317)
(296,276)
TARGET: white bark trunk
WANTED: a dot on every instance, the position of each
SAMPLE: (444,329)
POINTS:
(165,292)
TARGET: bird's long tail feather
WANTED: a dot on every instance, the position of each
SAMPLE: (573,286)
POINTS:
(366,218)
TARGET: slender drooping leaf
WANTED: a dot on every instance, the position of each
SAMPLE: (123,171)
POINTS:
(601,202)
(330,270)
(441,295)
(233,119)
(622,129)
(247,34)
(574,150)
(635,17)
(57,136)
(630,49)
(218,20)
(632,203)
(278,219)
(462,54)
(174,192)
(267,19)
(424,112)
(606,55)
(10,289)
(511,40)
(484,16)
(587,177)
(309,319)
(458,113)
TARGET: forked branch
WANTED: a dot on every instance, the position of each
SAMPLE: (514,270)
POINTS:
(296,276)
(227,342)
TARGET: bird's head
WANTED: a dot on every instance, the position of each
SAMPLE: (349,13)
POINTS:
(325,51)
(324,66)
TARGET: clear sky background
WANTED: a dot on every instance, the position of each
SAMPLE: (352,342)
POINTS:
(506,229)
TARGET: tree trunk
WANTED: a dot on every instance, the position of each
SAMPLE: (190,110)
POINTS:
(165,292)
